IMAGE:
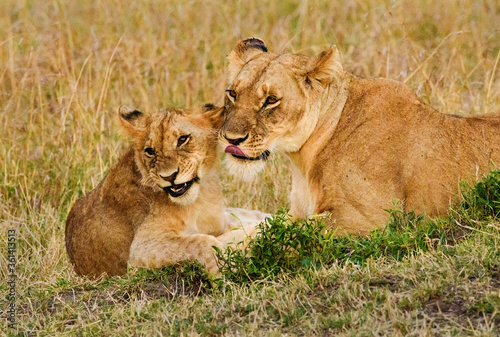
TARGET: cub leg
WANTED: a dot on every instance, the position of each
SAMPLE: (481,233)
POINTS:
(156,248)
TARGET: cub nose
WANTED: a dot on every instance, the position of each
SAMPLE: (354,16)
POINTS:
(170,178)
(235,139)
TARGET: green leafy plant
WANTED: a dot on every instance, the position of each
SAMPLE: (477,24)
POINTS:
(482,200)
(282,246)
(287,246)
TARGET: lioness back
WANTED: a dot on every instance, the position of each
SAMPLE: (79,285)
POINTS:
(356,145)
(389,146)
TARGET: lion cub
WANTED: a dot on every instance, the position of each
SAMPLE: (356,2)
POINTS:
(160,203)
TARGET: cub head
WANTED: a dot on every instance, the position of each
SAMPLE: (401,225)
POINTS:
(174,149)
(271,102)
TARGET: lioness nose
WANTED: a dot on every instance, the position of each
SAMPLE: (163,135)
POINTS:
(235,139)
(170,178)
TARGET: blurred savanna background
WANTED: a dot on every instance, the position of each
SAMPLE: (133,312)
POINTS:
(67,66)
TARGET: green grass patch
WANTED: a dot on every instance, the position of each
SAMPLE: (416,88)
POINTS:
(187,278)
(481,203)
(285,246)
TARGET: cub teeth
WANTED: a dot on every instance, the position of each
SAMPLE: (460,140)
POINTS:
(177,188)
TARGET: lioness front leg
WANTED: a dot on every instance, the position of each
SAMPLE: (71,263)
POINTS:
(238,237)
(159,249)
(242,224)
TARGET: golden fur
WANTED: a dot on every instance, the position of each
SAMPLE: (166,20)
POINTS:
(160,203)
(356,145)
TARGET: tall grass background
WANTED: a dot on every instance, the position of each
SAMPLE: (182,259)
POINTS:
(66,67)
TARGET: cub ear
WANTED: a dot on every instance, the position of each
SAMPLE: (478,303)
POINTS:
(323,69)
(133,121)
(214,114)
(242,53)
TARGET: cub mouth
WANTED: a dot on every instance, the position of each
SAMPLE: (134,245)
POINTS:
(176,191)
(236,152)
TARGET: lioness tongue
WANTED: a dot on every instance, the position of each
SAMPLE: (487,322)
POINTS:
(233,149)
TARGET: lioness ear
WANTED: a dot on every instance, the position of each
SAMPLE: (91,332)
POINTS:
(133,121)
(214,114)
(323,69)
(242,53)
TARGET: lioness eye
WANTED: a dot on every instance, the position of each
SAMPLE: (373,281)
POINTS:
(231,93)
(271,100)
(150,152)
(182,140)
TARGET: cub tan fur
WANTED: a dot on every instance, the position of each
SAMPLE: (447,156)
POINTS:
(160,203)
(356,144)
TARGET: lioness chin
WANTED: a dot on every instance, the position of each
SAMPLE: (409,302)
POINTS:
(356,145)
(161,203)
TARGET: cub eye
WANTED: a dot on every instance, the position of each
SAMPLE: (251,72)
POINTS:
(231,94)
(150,152)
(271,100)
(182,140)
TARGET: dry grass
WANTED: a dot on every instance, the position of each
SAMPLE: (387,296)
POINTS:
(65,68)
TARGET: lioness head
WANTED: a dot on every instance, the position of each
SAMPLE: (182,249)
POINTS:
(174,149)
(272,102)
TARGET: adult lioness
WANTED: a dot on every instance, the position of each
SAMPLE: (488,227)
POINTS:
(356,144)
(161,203)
